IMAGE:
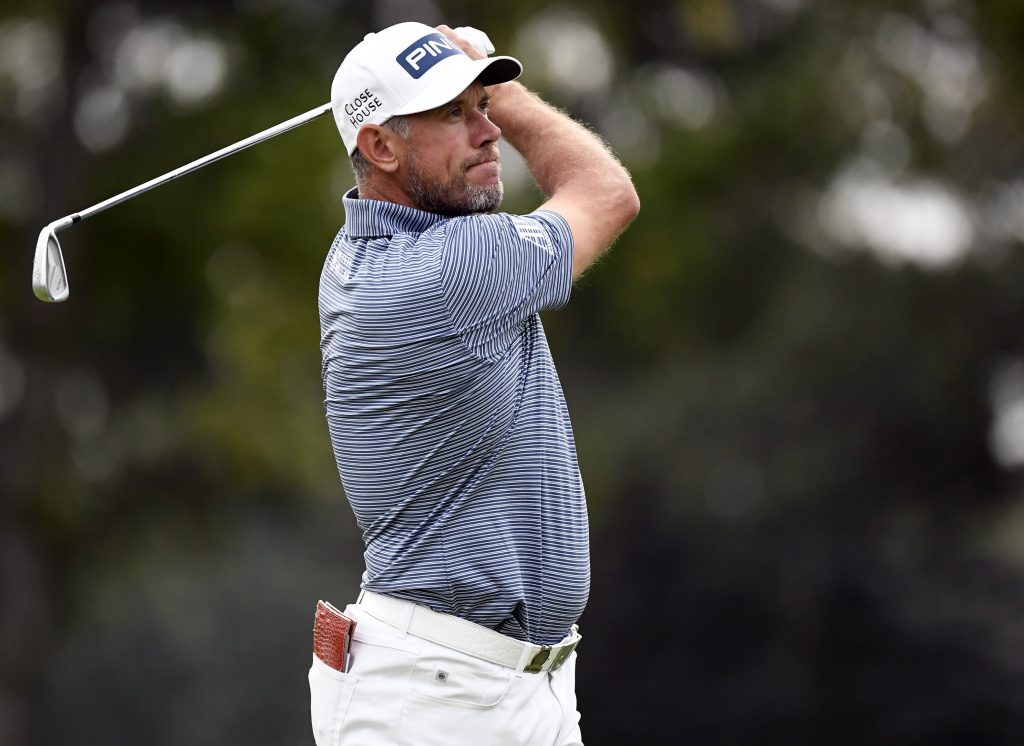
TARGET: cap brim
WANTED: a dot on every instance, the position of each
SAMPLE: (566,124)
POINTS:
(490,71)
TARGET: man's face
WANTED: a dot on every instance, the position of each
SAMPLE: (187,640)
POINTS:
(450,164)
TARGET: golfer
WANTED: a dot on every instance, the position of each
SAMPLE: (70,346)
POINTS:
(445,411)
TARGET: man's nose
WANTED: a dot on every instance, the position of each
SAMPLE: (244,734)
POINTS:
(485,131)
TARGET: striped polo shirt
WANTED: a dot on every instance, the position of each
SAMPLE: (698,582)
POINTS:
(447,417)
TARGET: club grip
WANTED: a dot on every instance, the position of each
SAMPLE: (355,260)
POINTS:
(480,41)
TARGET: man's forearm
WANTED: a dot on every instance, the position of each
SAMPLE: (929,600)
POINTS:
(558,150)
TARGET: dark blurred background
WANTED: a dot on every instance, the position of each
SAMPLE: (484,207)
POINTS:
(797,382)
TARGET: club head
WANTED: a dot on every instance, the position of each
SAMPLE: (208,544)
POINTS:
(49,278)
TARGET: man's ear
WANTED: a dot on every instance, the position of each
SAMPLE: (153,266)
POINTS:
(375,143)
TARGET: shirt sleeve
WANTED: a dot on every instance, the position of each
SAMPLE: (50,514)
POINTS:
(499,270)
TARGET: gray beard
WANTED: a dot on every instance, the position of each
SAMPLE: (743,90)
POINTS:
(452,197)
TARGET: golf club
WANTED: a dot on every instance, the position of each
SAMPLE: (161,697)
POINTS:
(49,277)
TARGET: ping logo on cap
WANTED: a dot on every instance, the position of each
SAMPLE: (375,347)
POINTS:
(424,53)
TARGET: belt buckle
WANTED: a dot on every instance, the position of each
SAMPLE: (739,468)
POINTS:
(536,664)
(563,655)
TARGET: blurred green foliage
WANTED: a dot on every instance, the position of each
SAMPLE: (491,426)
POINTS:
(788,423)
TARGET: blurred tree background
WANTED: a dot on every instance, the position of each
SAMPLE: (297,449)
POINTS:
(797,382)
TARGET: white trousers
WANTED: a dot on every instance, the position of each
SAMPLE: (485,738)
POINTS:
(402,690)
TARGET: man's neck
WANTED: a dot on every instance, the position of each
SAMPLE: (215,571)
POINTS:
(386,192)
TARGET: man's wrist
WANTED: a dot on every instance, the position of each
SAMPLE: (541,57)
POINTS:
(511,105)
(501,91)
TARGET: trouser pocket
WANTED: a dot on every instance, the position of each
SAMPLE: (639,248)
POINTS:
(330,693)
(454,699)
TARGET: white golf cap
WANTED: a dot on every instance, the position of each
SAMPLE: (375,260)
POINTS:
(405,69)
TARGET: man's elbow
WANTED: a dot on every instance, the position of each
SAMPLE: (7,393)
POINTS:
(628,200)
(633,203)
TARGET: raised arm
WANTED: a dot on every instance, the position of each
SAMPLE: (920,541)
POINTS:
(580,177)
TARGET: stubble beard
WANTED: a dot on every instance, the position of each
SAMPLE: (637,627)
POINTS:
(452,196)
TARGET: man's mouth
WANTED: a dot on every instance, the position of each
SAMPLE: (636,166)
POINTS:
(482,161)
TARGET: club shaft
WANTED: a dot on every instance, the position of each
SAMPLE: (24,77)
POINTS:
(199,163)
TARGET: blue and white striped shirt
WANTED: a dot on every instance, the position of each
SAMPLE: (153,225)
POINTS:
(447,417)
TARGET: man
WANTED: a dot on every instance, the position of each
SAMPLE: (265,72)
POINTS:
(446,415)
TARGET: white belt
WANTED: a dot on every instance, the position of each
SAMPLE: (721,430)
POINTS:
(467,637)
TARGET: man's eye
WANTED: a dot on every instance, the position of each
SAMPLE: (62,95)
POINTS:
(454,112)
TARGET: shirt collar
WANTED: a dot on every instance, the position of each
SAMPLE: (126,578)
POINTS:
(367,218)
